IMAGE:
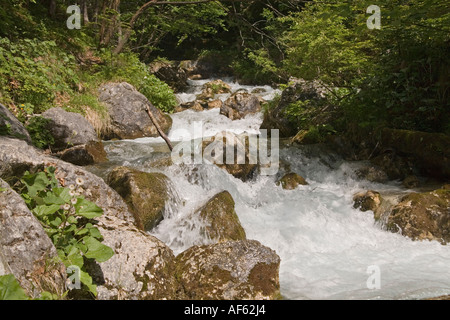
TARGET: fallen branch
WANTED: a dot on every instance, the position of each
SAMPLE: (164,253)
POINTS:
(161,133)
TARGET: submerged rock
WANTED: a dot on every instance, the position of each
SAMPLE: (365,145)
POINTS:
(25,249)
(231,270)
(221,218)
(127,111)
(290,181)
(421,216)
(368,201)
(145,193)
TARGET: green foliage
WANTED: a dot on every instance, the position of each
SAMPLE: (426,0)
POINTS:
(33,72)
(40,135)
(10,289)
(69,220)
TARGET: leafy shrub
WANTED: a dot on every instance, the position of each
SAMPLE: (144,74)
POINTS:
(32,72)
(40,134)
(68,219)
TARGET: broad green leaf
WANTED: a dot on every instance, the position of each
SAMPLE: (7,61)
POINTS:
(57,196)
(44,210)
(35,182)
(87,209)
(86,279)
(10,289)
(97,250)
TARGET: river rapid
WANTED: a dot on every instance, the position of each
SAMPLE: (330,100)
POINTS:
(328,249)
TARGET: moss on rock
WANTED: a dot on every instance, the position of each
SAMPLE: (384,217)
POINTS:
(145,194)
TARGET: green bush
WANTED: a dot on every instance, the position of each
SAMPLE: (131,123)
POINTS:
(40,134)
(33,72)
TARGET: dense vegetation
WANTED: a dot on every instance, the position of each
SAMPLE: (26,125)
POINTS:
(395,76)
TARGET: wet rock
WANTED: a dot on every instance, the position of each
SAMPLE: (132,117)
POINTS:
(396,167)
(25,249)
(86,154)
(421,216)
(17,156)
(142,267)
(292,180)
(242,166)
(231,270)
(127,111)
(215,104)
(430,150)
(411,182)
(372,173)
(240,104)
(11,126)
(69,129)
(171,73)
(221,218)
(369,200)
(145,193)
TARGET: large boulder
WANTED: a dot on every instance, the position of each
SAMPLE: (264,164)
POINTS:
(127,111)
(423,216)
(142,267)
(145,193)
(240,104)
(25,249)
(69,129)
(222,222)
(210,89)
(230,270)
(11,126)
(17,156)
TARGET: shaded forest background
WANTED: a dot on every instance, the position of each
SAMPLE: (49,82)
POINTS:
(397,76)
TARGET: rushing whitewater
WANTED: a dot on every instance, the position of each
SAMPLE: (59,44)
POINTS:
(328,249)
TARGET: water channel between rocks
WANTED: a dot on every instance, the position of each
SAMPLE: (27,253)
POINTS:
(328,249)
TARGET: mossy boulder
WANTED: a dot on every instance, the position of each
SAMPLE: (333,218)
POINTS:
(369,201)
(221,218)
(145,193)
(421,216)
(230,270)
(291,180)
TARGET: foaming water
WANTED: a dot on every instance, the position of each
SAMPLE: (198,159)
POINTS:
(328,249)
